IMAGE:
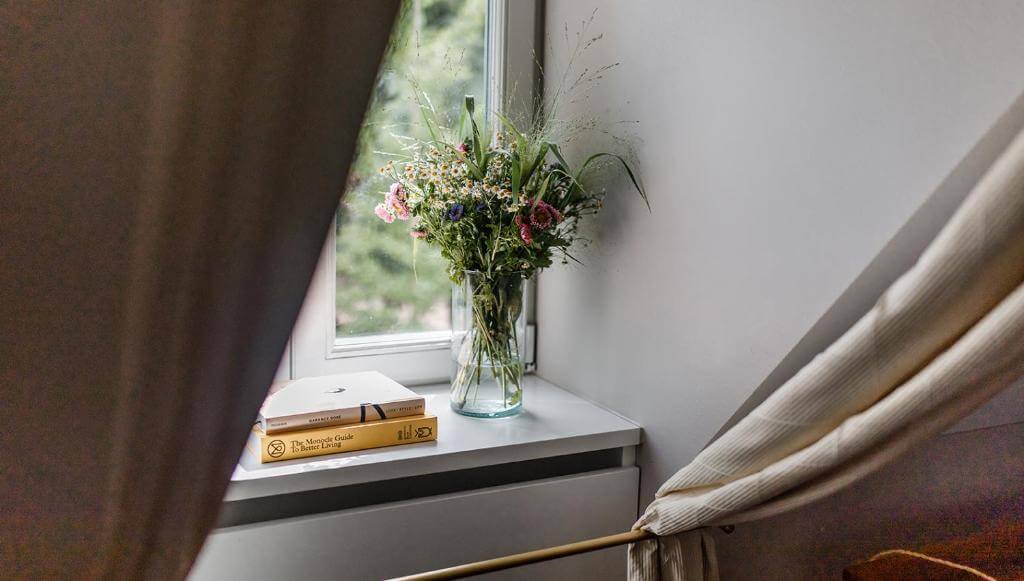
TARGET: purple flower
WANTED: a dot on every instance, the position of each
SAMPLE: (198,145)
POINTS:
(456,212)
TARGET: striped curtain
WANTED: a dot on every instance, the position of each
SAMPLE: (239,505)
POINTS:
(943,339)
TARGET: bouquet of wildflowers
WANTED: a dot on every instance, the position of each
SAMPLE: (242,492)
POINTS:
(499,206)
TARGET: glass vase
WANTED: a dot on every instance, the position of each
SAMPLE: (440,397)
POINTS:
(488,344)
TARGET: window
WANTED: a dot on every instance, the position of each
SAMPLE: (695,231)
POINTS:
(384,285)
(377,300)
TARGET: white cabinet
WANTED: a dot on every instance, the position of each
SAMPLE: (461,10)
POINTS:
(560,472)
(418,535)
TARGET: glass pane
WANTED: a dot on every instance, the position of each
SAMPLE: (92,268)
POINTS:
(385,284)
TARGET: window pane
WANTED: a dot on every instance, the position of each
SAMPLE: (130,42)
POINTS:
(384,283)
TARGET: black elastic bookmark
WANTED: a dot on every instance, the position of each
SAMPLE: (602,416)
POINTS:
(362,411)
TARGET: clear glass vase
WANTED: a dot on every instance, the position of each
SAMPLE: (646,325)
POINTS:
(488,344)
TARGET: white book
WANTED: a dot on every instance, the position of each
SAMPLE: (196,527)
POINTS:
(335,400)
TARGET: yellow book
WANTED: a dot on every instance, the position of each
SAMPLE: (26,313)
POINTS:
(332,440)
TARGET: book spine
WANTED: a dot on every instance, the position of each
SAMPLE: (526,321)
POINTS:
(289,446)
(341,417)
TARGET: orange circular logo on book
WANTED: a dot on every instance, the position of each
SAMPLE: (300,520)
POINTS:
(275,448)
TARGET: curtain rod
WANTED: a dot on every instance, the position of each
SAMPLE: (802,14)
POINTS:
(540,555)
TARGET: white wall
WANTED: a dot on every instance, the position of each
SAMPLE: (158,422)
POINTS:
(783,145)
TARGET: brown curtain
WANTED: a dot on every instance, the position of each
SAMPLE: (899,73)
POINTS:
(169,174)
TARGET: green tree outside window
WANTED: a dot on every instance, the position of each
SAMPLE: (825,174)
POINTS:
(384,283)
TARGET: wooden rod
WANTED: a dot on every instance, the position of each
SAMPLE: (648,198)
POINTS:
(548,554)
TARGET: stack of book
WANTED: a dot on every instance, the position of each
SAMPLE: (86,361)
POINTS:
(338,413)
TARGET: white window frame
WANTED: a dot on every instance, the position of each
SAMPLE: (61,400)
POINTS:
(422,357)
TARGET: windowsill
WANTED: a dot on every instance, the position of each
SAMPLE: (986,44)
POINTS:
(554,423)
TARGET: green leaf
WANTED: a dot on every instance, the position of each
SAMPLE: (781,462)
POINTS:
(462,126)
(542,189)
(477,151)
(516,169)
(487,160)
(519,137)
(509,125)
(574,184)
(558,156)
(473,168)
(625,165)
(537,161)
(571,257)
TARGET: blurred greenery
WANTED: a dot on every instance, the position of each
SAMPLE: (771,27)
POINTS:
(386,284)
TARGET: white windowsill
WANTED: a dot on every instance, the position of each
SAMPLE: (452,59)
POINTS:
(554,423)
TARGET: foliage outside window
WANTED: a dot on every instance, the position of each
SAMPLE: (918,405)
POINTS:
(386,282)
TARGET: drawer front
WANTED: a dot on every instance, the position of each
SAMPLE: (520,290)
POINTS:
(429,533)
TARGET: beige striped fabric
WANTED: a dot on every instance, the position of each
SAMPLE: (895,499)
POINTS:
(944,338)
(689,555)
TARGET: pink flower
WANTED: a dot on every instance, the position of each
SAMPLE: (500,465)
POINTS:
(418,234)
(543,215)
(383,213)
(540,217)
(400,210)
(395,201)
(463,148)
(525,232)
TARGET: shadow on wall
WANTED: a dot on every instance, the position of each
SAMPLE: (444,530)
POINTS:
(957,498)
(895,258)
(959,492)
